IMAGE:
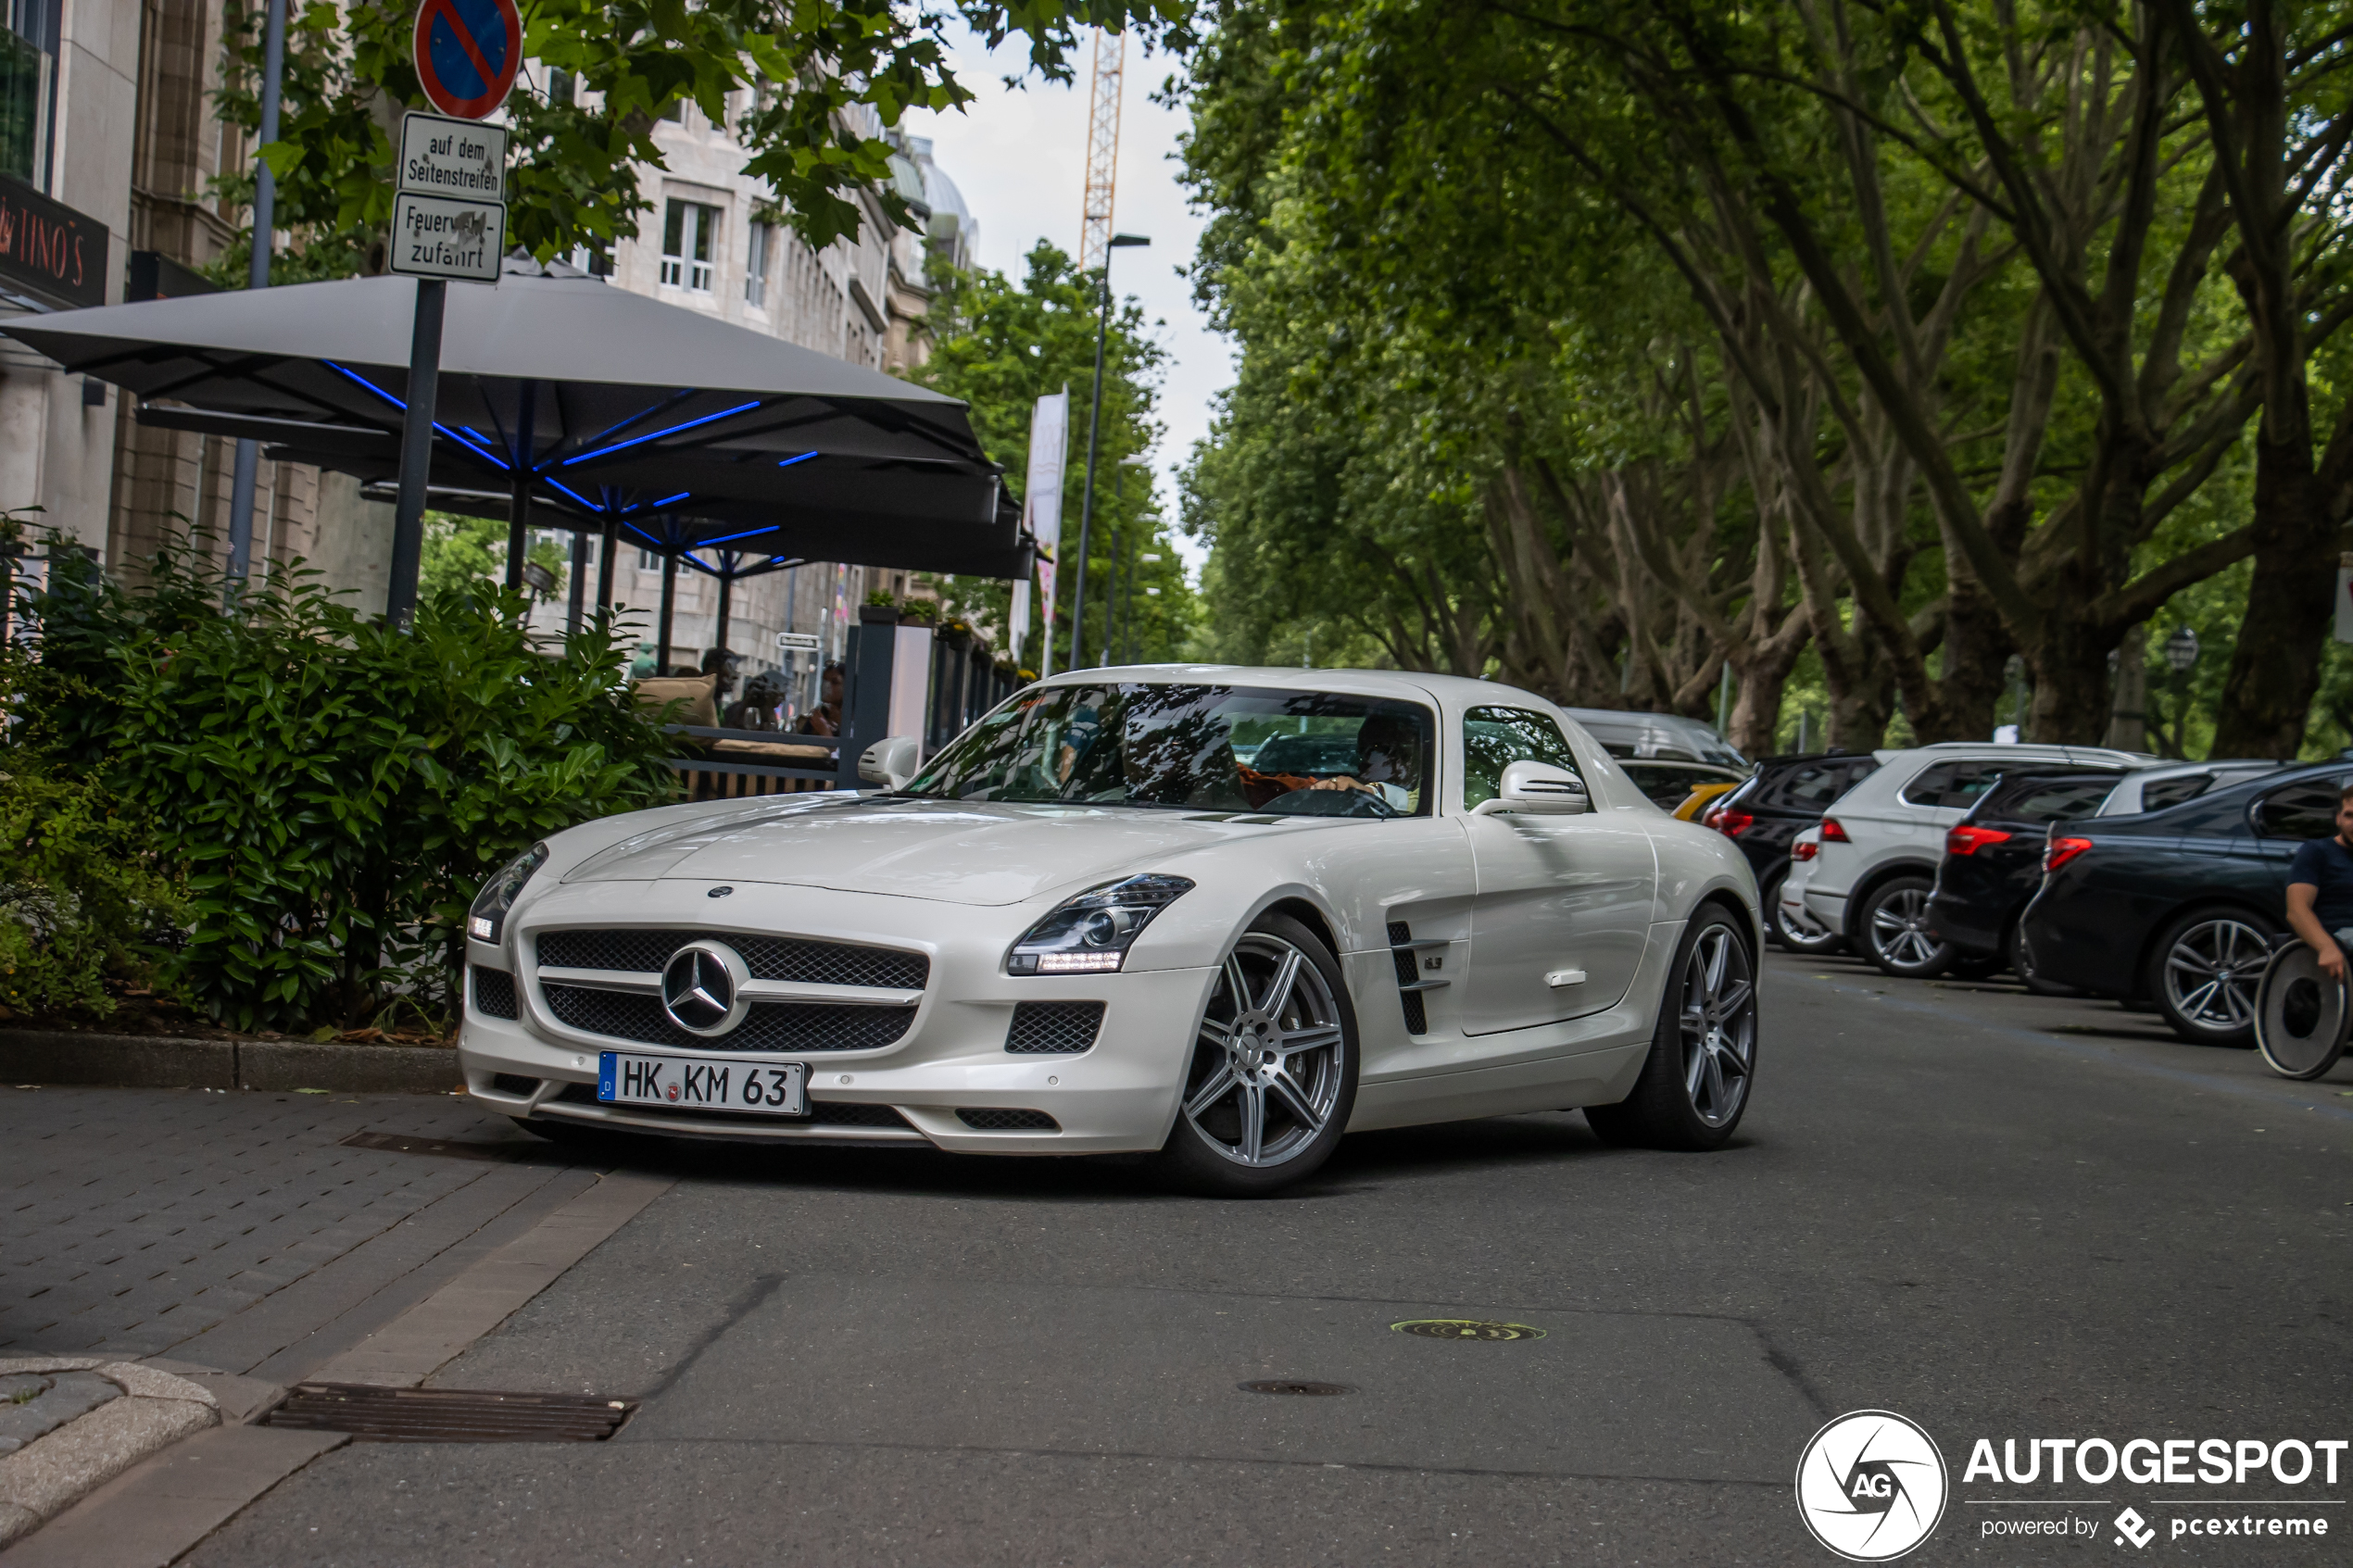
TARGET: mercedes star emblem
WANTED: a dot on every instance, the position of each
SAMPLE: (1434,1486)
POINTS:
(702,989)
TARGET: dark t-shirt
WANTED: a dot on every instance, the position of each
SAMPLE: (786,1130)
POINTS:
(2327,865)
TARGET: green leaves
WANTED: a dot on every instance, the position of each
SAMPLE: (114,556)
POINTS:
(334,791)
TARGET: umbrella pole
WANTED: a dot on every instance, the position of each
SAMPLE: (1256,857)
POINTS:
(579,582)
(519,496)
(604,565)
(669,599)
(416,452)
(726,591)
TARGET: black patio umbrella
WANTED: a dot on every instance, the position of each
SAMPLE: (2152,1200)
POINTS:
(573,404)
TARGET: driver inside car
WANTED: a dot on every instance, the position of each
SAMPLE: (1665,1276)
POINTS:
(1389,766)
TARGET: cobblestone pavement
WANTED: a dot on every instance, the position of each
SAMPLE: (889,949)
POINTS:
(133,1219)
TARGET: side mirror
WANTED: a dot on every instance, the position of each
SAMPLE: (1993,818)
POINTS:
(1538,787)
(890,762)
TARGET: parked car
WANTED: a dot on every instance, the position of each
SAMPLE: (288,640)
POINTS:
(2179,907)
(2154,789)
(1992,863)
(1670,784)
(1882,843)
(1787,919)
(1766,815)
(1670,736)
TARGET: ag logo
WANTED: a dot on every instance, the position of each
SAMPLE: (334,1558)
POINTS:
(1871,1485)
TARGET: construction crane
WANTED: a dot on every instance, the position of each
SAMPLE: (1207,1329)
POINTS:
(1102,149)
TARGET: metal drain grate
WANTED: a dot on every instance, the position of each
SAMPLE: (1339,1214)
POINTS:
(1465,1328)
(449,1415)
(1293,1385)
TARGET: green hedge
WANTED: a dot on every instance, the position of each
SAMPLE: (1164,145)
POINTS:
(332,790)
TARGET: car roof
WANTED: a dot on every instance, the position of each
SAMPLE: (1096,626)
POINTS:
(1410,685)
(2028,751)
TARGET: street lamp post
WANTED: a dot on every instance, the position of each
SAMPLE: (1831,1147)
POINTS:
(2181,657)
(265,210)
(1094,442)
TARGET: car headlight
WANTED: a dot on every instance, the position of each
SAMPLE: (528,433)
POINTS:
(1091,933)
(488,915)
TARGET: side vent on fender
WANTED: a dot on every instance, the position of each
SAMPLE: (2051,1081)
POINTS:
(1406,952)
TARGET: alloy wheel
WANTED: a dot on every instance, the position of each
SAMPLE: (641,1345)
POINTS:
(1269,1057)
(1899,930)
(2211,972)
(1719,1026)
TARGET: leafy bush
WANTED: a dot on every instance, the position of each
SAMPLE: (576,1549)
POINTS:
(79,892)
(334,790)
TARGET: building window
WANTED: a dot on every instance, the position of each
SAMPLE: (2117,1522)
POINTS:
(648,561)
(562,86)
(28,88)
(756,266)
(687,235)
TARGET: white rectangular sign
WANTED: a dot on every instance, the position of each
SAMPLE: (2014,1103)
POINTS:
(452,157)
(439,237)
(798,641)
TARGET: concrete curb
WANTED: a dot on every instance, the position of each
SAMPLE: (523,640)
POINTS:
(35,1056)
(156,1410)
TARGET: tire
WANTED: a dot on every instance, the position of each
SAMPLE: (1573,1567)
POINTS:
(2022,957)
(1792,940)
(1893,926)
(1272,1078)
(2204,972)
(1695,1084)
(2303,1014)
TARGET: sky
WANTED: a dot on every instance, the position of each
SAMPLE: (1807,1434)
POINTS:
(1020,158)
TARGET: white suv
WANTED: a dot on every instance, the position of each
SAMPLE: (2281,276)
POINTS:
(1881,842)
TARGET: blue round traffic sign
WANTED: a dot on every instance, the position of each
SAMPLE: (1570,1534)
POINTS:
(468,52)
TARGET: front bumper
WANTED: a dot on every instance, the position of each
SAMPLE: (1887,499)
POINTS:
(1120,1095)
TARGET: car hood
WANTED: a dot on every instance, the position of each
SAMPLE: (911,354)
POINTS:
(956,852)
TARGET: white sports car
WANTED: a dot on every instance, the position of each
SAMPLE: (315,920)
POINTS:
(1220,914)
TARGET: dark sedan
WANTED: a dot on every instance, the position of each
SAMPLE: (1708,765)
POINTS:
(1994,859)
(1788,795)
(2179,907)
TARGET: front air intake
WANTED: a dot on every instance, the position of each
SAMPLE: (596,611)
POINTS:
(1053,1028)
(987,1119)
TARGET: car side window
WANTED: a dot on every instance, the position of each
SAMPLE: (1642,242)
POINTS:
(2172,792)
(2303,811)
(1952,784)
(1495,738)
(1813,785)
(2052,802)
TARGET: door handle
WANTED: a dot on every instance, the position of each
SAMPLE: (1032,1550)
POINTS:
(1561,977)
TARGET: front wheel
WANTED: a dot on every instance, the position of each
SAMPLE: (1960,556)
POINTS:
(1694,1084)
(1272,1078)
(2205,973)
(1894,926)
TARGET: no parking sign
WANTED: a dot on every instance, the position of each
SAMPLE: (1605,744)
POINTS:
(468,52)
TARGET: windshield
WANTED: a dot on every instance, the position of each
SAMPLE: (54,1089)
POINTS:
(1199,747)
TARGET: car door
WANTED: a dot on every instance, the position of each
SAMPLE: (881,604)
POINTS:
(1563,902)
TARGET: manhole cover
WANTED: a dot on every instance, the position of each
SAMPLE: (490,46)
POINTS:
(1292,1386)
(449,1415)
(1466,1328)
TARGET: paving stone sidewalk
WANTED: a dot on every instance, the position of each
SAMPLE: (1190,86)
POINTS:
(132,1219)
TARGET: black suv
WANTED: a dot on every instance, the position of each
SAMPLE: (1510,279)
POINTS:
(1994,859)
(2180,906)
(1788,795)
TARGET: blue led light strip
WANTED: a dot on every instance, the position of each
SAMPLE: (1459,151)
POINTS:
(478,450)
(656,435)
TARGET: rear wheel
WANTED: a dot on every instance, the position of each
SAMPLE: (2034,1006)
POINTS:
(1693,1087)
(1894,930)
(1273,1075)
(2303,1013)
(1809,939)
(2204,975)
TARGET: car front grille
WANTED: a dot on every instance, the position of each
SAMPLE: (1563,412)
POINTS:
(1053,1028)
(987,1119)
(767,1026)
(768,958)
(494,992)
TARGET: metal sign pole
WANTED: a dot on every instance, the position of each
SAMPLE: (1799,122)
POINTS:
(416,452)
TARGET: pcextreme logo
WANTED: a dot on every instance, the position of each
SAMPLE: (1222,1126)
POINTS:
(1871,1485)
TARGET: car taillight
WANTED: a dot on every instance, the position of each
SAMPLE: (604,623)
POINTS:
(1967,840)
(1731,824)
(1832,833)
(2061,851)
(1804,850)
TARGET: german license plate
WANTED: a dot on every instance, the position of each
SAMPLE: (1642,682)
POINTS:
(697,1082)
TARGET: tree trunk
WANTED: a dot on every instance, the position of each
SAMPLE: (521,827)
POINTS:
(2128,726)
(2276,666)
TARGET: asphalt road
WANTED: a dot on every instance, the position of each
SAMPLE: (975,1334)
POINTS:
(2001,1216)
